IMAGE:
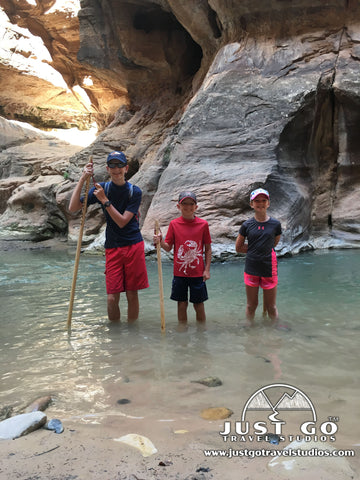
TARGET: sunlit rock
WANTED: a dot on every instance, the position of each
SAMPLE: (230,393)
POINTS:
(146,447)
(32,166)
(20,425)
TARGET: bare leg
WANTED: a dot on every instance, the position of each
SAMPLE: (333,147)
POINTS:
(251,302)
(182,312)
(133,305)
(270,303)
(113,307)
(200,312)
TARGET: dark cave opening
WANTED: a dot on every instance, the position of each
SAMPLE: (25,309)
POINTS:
(154,19)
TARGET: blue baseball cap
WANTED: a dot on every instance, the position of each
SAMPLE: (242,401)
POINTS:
(119,156)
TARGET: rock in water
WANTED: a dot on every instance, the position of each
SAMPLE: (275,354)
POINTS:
(20,425)
(143,444)
(6,412)
(40,404)
(209,381)
(123,401)
(54,424)
(216,413)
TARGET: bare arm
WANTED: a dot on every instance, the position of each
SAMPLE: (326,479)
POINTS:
(75,204)
(240,245)
(158,239)
(277,240)
(206,274)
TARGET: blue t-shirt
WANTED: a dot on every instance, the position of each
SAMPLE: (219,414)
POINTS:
(261,239)
(122,200)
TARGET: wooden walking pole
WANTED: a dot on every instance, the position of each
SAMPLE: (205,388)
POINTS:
(77,255)
(161,288)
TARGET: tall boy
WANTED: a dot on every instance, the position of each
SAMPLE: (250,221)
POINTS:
(124,246)
(190,237)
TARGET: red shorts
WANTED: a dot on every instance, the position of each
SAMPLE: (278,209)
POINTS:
(267,283)
(125,268)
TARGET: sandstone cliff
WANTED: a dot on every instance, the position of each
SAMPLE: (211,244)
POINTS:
(218,97)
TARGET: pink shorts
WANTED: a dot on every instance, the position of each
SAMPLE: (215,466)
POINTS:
(267,283)
(125,268)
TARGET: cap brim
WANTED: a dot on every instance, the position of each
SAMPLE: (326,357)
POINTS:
(184,198)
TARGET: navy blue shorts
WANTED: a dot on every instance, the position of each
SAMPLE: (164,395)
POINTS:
(197,286)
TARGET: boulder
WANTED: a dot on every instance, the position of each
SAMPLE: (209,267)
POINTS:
(32,166)
(20,425)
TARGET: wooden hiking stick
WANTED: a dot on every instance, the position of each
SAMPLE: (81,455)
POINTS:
(161,288)
(78,250)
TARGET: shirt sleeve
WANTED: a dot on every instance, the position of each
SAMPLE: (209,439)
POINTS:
(91,197)
(169,239)
(207,236)
(242,230)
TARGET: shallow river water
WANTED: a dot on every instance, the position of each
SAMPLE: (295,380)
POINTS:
(99,363)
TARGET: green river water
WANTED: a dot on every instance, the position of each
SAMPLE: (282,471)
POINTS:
(98,364)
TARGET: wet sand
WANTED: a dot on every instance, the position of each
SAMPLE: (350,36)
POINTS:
(87,450)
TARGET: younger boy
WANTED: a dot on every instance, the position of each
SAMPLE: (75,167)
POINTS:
(190,237)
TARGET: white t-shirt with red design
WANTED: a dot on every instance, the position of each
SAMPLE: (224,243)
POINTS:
(188,238)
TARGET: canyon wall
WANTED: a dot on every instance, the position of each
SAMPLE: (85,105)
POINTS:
(215,96)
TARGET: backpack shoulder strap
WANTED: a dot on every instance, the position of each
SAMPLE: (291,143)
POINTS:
(131,191)
(106,188)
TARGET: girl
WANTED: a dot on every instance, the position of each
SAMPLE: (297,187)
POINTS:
(263,234)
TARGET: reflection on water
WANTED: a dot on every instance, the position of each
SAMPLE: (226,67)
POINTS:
(100,363)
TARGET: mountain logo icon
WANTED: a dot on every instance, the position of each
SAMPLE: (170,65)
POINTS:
(287,398)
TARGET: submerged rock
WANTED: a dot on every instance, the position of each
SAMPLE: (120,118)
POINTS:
(143,444)
(216,413)
(123,401)
(40,404)
(6,412)
(209,381)
(20,425)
